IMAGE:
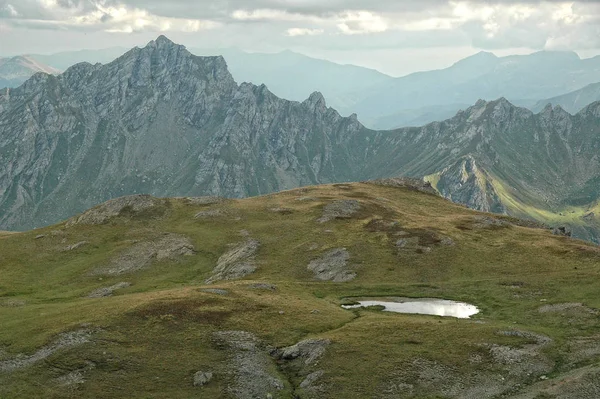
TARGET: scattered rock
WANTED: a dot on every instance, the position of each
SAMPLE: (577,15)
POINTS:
(263,286)
(236,263)
(306,199)
(108,291)
(250,364)
(65,340)
(447,241)
(216,291)
(132,205)
(202,378)
(309,350)
(562,231)
(211,213)
(143,254)
(311,379)
(71,379)
(75,246)
(333,266)
(40,236)
(410,243)
(12,303)
(405,182)
(342,209)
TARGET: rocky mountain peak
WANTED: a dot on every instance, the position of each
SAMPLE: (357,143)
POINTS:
(316,101)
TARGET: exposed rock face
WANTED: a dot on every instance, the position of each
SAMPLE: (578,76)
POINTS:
(333,266)
(251,366)
(71,141)
(236,263)
(465,183)
(65,340)
(131,205)
(202,378)
(342,209)
(143,254)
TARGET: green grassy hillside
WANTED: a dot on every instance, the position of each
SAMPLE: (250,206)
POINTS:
(537,335)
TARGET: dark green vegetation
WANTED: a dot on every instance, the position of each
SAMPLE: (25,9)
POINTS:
(537,294)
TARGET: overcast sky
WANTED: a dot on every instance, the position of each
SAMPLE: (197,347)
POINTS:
(394,36)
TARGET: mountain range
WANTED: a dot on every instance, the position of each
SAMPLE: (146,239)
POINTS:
(574,101)
(160,120)
(384,102)
(16,70)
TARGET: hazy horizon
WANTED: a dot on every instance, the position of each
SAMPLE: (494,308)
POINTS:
(396,38)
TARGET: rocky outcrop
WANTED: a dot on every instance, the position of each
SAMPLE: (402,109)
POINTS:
(342,209)
(143,254)
(236,263)
(466,183)
(333,266)
(133,205)
(250,366)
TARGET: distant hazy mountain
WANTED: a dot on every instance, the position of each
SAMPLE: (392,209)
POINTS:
(66,59)
(160,120)
(482,76)
(295,76)
(572,102)
(16,70)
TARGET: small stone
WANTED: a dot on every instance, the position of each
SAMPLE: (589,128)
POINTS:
(202,378)
(315,311)
(40,236)
(281,312)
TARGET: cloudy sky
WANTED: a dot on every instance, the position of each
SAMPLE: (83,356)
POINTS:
(394,36)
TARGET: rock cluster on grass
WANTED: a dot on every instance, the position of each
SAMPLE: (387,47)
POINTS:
(65,340)
(108,291)
(332,266)
(142,254)
(202,378)
(342,209)
(131,205)
(236,263)
(250,366)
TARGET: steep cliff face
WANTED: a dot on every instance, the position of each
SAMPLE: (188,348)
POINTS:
(156,120)
(465,183)
(162,121)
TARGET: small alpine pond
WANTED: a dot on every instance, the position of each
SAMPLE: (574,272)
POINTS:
(428,306)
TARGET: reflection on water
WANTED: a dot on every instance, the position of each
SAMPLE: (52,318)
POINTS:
(437,307)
